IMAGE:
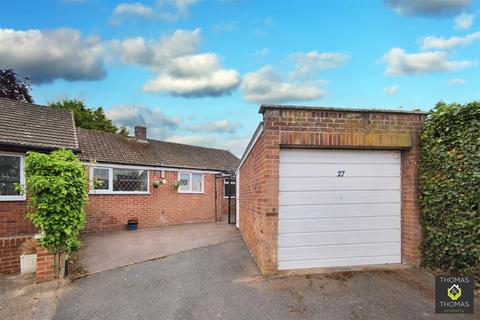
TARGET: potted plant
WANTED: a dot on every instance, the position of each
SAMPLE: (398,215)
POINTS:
(132,224)
(176,184)
(28,259)
(156,184)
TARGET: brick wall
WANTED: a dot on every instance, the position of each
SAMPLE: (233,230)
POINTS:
(15,229)
(45,265)
(164,206)
(310,128)
(13,219)
(10,251)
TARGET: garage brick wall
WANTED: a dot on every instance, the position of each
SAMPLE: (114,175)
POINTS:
(323,128)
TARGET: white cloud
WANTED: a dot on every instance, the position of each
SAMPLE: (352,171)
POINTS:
(427,7)
(442,43)
(212,83)
(133,9)
(307,64)
(456,81)
(180,70)
(464,21)
(391,90)
(401,63)
(218,126)
(45,56)
(236,145)
(266,85)
(165,10)
(131,116)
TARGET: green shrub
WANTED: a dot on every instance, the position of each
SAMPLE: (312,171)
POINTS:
(450,188)
(57,191)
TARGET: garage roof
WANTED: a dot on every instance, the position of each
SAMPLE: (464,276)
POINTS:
(264,107)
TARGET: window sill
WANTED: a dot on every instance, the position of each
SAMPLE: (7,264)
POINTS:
(12,198)
(193,192)
(118,193)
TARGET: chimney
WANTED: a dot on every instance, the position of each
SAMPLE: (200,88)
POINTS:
(140,133)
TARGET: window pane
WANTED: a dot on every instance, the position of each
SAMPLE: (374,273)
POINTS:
(100,179)
(197,182)
(9,175)
(229,189)
(130,180)
(184,182)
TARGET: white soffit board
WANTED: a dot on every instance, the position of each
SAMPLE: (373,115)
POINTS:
(338,208)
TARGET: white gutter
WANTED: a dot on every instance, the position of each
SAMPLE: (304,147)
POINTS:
(132,166)
(250,146)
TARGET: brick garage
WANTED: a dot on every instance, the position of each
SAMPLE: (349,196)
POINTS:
(291,129)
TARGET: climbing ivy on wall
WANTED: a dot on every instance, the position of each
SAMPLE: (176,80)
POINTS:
(450,188)
(57,192)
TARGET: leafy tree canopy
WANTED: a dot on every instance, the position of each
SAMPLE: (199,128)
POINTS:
(87,118)
(14,87)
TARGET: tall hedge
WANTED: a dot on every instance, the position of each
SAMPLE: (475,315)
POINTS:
(57,191)
(450,188)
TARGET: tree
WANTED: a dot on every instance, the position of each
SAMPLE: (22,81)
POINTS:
(87,118)
(14,87)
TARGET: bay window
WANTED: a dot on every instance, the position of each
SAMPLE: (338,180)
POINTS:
(11,175)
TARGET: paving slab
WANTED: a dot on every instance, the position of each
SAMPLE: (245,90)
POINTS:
(107,250)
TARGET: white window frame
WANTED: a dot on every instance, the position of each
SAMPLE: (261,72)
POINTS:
(224,184)
(190,179)
(110,190)
(20,197)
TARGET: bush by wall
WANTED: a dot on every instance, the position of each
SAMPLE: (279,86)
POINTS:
(450,188)
(57,191)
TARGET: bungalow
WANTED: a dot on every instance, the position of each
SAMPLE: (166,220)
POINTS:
(157,182)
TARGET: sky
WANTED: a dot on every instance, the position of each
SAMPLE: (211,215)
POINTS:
(196,71)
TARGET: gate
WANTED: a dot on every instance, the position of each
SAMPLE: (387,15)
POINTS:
(225,203)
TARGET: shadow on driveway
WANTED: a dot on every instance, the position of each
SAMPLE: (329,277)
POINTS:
(222,282)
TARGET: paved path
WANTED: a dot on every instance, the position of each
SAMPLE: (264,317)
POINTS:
(106,250)
(21,298)
(222,282)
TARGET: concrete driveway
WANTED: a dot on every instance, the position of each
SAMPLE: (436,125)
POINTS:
(222,282)
(107,250)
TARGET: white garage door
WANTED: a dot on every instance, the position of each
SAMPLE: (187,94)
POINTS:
(338,208)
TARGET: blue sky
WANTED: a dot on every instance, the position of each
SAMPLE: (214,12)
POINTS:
(196,71)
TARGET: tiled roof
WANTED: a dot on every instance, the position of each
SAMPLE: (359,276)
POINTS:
(26,125)
(114,148)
